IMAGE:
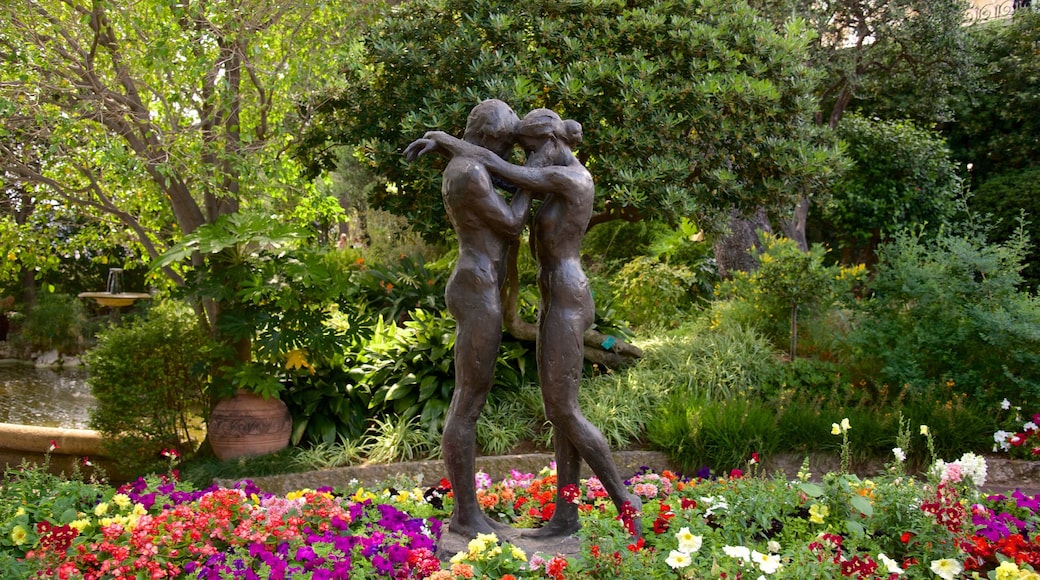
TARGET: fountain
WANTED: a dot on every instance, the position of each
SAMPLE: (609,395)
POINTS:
(114,297)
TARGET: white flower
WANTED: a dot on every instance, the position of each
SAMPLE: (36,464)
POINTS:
(974,467)
(900,455)
(688,542)
(1005,404)
(773,546)
(677,559)
(845,426)
(714,503)
(738,552)
(1029,426)
(947,568)
(835,429)
(1001,438)
(891,565)
(768,563)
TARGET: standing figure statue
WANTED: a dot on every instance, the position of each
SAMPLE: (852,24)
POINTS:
(566,310)
(485,226)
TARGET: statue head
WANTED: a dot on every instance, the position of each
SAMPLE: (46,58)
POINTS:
(492,124)
(542,126)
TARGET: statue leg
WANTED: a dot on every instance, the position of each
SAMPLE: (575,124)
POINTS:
(560,356)
(477,338)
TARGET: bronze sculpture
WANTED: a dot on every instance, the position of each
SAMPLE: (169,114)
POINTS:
(485,226)
(566,309)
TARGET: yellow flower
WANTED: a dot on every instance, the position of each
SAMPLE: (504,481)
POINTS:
(1007,571)
(101,509)
(79,525)
(297,359)
(517,553)
(924,429)
(818,512)
(122,500)
(835,429)
(19,535)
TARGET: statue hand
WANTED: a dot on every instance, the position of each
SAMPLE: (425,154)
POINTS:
(418,148)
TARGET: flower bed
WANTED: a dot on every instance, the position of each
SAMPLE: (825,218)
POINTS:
(739,526)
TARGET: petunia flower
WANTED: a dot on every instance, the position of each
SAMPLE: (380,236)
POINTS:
(946,568)
(678,559)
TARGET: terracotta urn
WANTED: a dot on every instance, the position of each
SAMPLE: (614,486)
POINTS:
(248,425)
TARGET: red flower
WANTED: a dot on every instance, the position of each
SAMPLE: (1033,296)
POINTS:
(555,567)
(638,545)
(906,537)
(570,493)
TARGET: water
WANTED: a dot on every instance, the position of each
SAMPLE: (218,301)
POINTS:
(45,397)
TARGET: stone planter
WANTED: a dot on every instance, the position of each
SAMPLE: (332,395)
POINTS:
(248,425)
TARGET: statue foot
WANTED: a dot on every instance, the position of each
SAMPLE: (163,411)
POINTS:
(470,529)
(501,529)
(553,529)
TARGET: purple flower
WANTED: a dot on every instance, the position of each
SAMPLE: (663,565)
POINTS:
(1024,501)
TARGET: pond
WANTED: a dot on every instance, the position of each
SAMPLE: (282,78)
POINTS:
(45,397)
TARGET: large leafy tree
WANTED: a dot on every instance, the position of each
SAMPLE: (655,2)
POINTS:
(149,119)
(689,108)
(903,57)
(997,125)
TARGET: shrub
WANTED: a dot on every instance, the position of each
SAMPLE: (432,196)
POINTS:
(901,175)
(648,291)
(149,378)
(56,322)
(949,309)
(1008,196)
(787,284)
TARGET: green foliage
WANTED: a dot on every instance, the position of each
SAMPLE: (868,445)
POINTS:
(275,296)
(398,438)
(949,308)
(326,406)
(721,435)
(215,144)
(655,85)
(505,422)
(391,289)
(407,370)
(1008,197)
(896,58)
(32,494)
(901,175)
(787,284)
(648,291)
(56,322)
(149,378)
(997,122)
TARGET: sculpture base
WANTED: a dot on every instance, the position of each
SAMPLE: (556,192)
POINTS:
(451,544)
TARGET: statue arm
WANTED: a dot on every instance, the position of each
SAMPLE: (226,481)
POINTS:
(537,180)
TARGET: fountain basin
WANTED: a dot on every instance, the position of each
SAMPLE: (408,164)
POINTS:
(115,299)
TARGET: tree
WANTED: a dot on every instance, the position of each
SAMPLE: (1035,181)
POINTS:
(152,118)
(899,59)
(689,109)
(996,126)
(901,176)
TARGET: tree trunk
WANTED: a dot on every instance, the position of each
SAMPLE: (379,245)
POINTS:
(733,252)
